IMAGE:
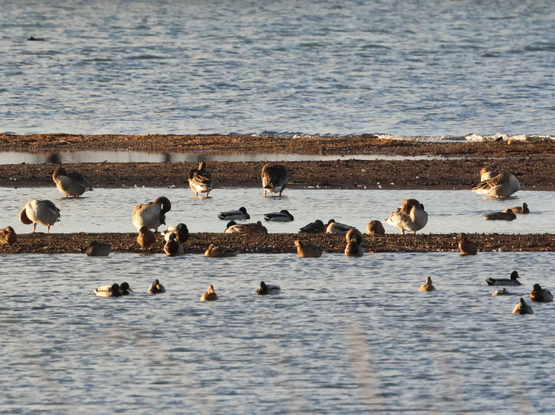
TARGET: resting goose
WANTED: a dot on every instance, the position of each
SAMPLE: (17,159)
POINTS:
(274,178)
(70,184)
(152,214)
(240,214)
(39,211)
(486,175)
(200,180)
(410,217)
(505,281)
(502,185)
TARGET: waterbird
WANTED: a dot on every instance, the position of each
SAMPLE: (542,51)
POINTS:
(209,295)
(523,308)
(274,178)
(354,246)
(519,210)
(146,238)
(239,214)
(505,281)
(540,295)
(314,227)
(246,228)
(308,250)
(200,180)
(172,246)
(466,246)
(505,215)
(70,184)
(281,216)
(502,185)
(486,174)
(214,251)
(152,214)
(428,286)
(375,227)
(156,288)
(42,212)
(336,227)
(181,232)
(411,216)
(8,236)
(502,291)
(266,289)
(96,248)
(108,291)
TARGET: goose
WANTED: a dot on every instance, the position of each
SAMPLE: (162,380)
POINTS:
(8,236)
(519,210)
(502,185)
(266,289)
(281,216)
(146,238)
(200,180)
(336,227)
(214,251)
(466,246)
(505,215)
(523,308)
(99,249)
(375,227)
(181,232)
(39,211)
(502,291)
(314,227)
(274,178)
(246,228)
(307,250)
(156,288)
(428,286)
(173,247)
(354,247)
(505,281)
(540,295)
(409,217)
(486,175)
(152,214)
(234,214)
(70,184)
(209,295)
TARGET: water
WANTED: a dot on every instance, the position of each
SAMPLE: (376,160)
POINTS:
(454,211)
(345,336)
(411,68)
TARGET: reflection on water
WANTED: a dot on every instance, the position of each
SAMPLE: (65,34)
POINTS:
(345,336)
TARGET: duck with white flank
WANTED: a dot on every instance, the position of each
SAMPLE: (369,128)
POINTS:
(505,281)
(336,227)
(181,232)
(281,216)
(239,214)
(173,247)
(266,289)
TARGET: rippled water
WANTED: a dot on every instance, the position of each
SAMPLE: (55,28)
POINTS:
(346,335)
(407,68)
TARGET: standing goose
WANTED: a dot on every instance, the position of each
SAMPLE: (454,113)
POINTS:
(70,184)
(523,308)
(39,211)
(519,210)
(152,214)
(466,246)
(173,247)
(200,180)
(307,250)
(274,178)
(502,185)
(540,295)
(8,236)
(156,288)
(428,286)
(239,214)
(266,289)
(314,227)
(209,295)
(505,281)
(99,249)
(409,217)
(146,238)
(281,216)
(181,232)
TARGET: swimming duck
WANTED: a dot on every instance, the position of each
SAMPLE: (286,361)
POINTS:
(375,227)
(108,291)
(281,216)
(7,236)
(274,178)
(336,227)
(411,216)
(266,289)
(209,295)
(146,238)
(502,291)
(505,281)
(124,289)
(235,214)
(246,228)
(486,175)
(70,184)
(505,215)
(307,250)
(99,249)
(173,247)
(428,286)
(181,232)
(354,247)
(200,180)
(39,211)
(502,185)
(152,214)
(156,288)
(519,210)
(214,251)
(466,246)
(540,295)
(523,308)
(314,227)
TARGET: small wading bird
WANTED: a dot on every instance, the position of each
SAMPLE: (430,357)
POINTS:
(274,178)
(42,212)
(152,214)
(411,216)
(200,180)
(209,295)
(428,286)
(70,184)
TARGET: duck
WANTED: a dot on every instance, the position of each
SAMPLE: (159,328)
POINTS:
(486,174)
(274,178)
(152,215)
(466,246)
(181,232)
(246,228)
(124,288)
(96,248)
(308,250)
(42,212)
(239,214)
(354,247)
(375,227)
(505,215)
(8,236)
(214,251)
(200,180)
(266,289)
(540,295)
(281,216)
(70,184)
(505,281)
(523,308)
(428,286)
(209,295)
(336,227)
(502,291)
(156,288)
(411,216)
(314,227)
(146,238)
(501,186)
(519,210)
(351,233)
(173,247)
(108,291)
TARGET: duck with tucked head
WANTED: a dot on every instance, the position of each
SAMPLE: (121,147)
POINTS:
(428,286)
(8,236)
(152,214)
(466,246)
(540,295)
(502,185)
(181,232)
(505,215)
(200,180)
(70,184)
(308,250)
(173,247)
(375,227)
(246,228)
(314,227)
(146,238)
(266,289)
(411,216)
(523,308)
(505,281)
(99,249)
(108,291)
(274,178)
(156,288)
(281,216)
(209,295)
(354,247)
(486,174)
(42,212)
(336,227)
(239,214)
(519,210)
(214,251)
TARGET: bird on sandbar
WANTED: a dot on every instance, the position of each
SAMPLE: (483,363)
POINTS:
(152,214)
(181,232)
(314,227)
(200,180)
(354,246)
(96,248)
(42,212)
(172,246)
(375,227)
(8,236)
(411,216)
(466,246)
(274,178)
(70,184)
(146,238)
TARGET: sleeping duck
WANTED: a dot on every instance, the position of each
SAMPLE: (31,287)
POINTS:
(336,227)
(181,232)
(152,214)
(156,288)
(209,295)
(246,228)
(281,216)
(540,295)
(314,227)
(505,215)
(274,178)
(266,289)
(39,211)
(70,184)
(428,286)
(523,308)
(8,236)
(308,250)
(519,210)
(173,247)
(354,247)
(200,180)
(502,185)
(486,174)
(466,246)
(240,214)
(146,238)
(375,227)
(505,281)
(99,249)
(214,251)
(411,216)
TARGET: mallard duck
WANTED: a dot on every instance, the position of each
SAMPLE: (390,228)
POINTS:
(274,178)
(124,289)
(375,227)
(152,214)
(246,228)
(108,291)
(281,216)
(523,308)
(181,232)
(240,214)
(99,249)
(505,281)
(336,227)
(214,251)
(354,247)
(39,211)
(502,291)
(505,215)
(540,295)
(173,247)
(502,185)
(156,288)
(70,184)
(146,238)
(8,236)
(200,180)
(519,210)
(466,246)
(266,289)
(409,217)
(428,286)
(486,175)
(314,227)
(351,233)
(209,295)
(307,250)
